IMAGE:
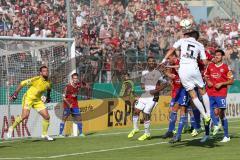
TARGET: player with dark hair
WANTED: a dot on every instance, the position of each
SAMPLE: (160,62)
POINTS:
(189,72)
(218,76)
(152,82)
(180,100)
(70,103)
(34,98)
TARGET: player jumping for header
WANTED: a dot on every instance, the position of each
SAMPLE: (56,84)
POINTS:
(189,73)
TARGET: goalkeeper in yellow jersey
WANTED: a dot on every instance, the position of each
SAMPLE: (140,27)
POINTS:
(34,98)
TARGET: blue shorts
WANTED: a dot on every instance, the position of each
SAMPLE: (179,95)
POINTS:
(217,102)
(73,111)
(182,98)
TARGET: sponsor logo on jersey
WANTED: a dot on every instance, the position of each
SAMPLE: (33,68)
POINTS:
(216,75)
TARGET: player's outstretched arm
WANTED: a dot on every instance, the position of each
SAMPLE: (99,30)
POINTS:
(170,52)
(21,85)
(15,94)
(159,87)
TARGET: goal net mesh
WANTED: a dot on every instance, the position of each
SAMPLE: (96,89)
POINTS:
(20,60)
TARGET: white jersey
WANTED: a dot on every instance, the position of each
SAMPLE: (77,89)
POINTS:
(189,73)
(146,102)
(190,51)
(150,79)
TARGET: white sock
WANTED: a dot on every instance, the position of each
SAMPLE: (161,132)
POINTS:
(199,106)
(147,127)
(135,122)
(206,103)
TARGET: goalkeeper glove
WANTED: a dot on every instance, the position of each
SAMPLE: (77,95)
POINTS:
(48,100)
(13,97)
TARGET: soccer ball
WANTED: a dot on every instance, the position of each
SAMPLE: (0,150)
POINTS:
(43,98)
(186,23)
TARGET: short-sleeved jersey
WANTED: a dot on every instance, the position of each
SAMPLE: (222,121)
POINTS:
(218,74)
(71,92)
(150,79)
(190,51)
(37,86)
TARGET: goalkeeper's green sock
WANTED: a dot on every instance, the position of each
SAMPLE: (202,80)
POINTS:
(45,125)
(17,121)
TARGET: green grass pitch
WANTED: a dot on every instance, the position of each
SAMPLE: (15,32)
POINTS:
(114,145)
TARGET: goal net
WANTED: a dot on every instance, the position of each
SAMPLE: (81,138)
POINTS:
(20,59)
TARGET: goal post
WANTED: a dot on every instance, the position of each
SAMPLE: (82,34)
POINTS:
(21,58)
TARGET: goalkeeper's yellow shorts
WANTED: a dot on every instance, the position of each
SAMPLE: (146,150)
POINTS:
(28,103)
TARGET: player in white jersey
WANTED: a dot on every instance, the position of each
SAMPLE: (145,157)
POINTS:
(189,73)
(152,82)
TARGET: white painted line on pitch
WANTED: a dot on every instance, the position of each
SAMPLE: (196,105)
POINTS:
(10,141)
(96,151)
(234,120)
(117,133)
(96,135)
(100,151)
(233,127)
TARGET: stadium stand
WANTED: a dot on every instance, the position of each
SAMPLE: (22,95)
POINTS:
(114,37)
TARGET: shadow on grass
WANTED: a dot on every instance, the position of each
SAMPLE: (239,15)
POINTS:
(91,133)
(5,147)
(43,140)
(211,143)
(38,140)
(157,137)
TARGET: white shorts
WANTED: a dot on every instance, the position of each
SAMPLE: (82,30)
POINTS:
(145,104)
(190,77)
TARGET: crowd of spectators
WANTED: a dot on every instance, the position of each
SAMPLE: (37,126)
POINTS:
(113,37)
(21,18)
(120,35)
(223,34)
